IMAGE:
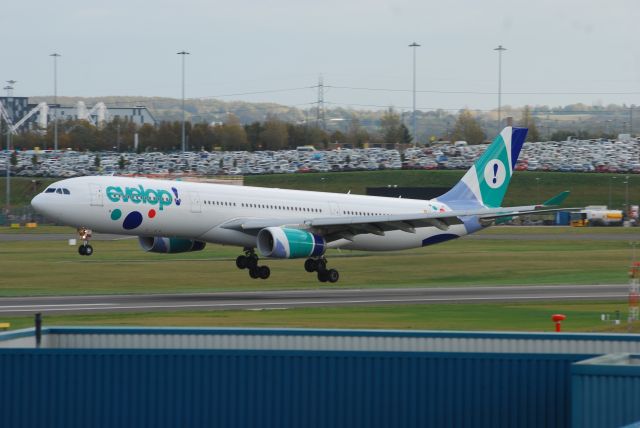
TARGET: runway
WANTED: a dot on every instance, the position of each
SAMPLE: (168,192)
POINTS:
(270,300)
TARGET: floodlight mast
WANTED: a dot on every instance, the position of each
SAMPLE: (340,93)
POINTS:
(5,116)
(183,54)
(500,49)
(414,45)
(55,99)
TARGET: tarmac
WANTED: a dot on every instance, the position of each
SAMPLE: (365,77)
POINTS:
(270,300)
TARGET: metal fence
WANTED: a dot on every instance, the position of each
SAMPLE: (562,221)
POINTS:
(168,377)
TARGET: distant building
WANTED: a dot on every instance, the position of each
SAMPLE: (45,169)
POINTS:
(19,107)
(138,114)
(16,107)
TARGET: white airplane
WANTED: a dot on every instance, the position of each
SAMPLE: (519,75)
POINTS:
(177,216)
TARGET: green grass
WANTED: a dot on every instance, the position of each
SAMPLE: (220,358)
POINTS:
(39,230)
(526,186)
(560,231)
(55,268)
(581,317)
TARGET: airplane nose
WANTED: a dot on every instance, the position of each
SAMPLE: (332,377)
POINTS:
(37,203)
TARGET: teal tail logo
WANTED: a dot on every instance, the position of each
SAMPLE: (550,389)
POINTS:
(486,183)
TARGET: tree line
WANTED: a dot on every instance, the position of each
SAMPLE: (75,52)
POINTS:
(270,134)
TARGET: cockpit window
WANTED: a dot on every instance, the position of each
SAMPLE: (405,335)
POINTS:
(58,190)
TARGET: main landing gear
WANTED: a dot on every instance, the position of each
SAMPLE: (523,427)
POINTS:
(320,265)
(250,261)
(85,249)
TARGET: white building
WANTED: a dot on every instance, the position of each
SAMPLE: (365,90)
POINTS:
(19,107)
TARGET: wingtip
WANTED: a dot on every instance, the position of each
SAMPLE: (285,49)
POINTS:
(558,199)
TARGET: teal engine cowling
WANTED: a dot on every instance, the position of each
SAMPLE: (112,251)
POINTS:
(283,243)
(156,244)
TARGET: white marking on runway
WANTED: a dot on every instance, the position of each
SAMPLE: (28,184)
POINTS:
(107,306)
(69,305)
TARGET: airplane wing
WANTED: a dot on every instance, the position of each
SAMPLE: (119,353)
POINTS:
(345,227)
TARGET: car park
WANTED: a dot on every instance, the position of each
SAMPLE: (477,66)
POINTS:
(596,155)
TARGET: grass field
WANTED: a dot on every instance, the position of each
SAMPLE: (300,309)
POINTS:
(581,317)
(565,255)
(526,186)
(54,268)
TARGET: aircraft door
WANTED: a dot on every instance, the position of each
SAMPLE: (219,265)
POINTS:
(196,203)
(335,209)
(95,191)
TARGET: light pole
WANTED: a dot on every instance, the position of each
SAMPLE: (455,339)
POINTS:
(626,195)
(183,53)
(8,166)
(55,100)
(500,49)
(414,45)
(610,182)
(10,86)
(9,89)
(118,137)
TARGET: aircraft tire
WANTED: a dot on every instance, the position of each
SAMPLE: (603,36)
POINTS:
(264,272)
(323,276)
(88,250)
(241,262)
(333,275)
(82,250)
(310,265)
(253,273)
(252,262)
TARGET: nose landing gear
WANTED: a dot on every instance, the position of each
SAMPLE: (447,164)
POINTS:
(85,249)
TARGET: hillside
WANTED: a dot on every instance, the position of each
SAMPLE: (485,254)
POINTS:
(198,110)
(552,122)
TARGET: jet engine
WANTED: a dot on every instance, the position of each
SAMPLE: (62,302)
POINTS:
(283,243)
(156,244)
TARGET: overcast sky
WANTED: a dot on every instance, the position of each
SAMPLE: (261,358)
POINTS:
(579,51)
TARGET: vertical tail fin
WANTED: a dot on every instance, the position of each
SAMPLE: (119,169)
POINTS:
(486,182)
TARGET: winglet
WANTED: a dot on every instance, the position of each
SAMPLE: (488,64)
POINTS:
(557,199)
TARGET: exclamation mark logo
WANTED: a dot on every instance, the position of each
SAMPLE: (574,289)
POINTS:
(495,174)
(175,192)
